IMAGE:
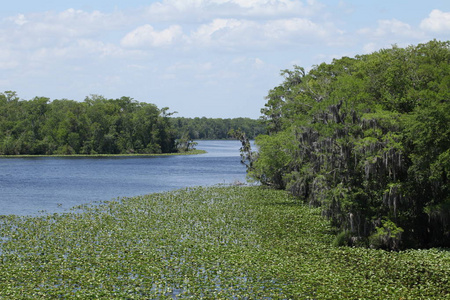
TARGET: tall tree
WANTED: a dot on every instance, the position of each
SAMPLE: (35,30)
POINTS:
(367,139)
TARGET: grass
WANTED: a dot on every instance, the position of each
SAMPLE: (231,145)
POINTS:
(204,243)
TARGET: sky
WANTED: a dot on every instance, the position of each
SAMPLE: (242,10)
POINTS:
(200,58)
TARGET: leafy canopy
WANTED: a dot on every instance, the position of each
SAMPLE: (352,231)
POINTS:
(367,139)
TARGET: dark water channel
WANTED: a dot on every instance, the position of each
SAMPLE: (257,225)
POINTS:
(29,186)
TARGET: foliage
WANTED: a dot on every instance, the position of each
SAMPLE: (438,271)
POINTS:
(95,126)
(343,238)
(185,144)
(367,139)
(214,129)
(388,235)
(247,155)
(204,243)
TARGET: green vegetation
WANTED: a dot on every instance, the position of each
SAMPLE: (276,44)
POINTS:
(358,154)
(368,140)
(190,152)
(103,126)
(95,126)
(204,243)
(215,129)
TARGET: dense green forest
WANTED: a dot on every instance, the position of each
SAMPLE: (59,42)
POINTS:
(103,126)
(96,125)
(215,129)
(368,140)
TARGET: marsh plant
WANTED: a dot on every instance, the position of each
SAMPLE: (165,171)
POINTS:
(204,243)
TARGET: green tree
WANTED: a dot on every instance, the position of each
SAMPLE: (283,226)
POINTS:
(97,125)
(367,139)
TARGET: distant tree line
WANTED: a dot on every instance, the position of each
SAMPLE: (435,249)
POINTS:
(103,126)
(95,126)
(368,140)
(215,128)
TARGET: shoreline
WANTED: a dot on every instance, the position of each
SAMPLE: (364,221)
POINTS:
(193,152)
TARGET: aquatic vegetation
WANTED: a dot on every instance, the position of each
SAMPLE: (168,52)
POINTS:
(204,243)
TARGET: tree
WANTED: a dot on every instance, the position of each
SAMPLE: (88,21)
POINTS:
(366,139)
(97,125)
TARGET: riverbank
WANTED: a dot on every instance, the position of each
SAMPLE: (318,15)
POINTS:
(192,152)
(211,243)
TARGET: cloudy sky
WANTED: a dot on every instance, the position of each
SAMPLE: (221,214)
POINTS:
(213,58)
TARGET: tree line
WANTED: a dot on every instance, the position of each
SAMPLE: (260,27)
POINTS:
(368,140)
(99,125)
(215,128)
(95,126)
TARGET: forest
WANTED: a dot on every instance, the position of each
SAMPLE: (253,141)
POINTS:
(215,128)
(95,126)
(103,126)
(366,139)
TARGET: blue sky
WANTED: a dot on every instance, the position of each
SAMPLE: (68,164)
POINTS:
(213,58)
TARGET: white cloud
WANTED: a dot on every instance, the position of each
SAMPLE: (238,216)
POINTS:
(282,29)
(7,59)
(190,46)
(50,29)
(101,49)
(200,10)
(370,48)
(437,21)
(190,67)
(19,19)
(147,36)
(255,24)
(246,62)
(234,34)
(277,7)
(391,29)
(258,63)
(218,31)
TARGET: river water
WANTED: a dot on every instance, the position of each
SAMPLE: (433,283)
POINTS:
(32,186)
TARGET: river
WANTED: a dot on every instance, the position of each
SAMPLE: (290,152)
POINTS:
(32,186)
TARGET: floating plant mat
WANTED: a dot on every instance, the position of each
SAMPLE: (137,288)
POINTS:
(204,243)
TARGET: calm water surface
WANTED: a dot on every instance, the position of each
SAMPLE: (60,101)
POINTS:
(29,186)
